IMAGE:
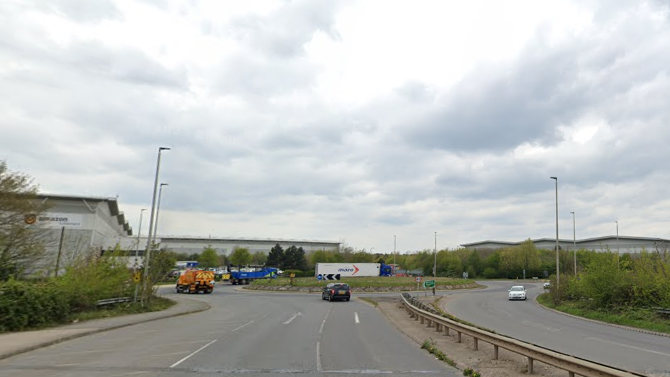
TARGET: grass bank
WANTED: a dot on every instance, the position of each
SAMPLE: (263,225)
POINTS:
(358,282)
(634,317)
(156,304)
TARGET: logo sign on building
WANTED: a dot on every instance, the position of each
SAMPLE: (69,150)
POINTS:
(59,220)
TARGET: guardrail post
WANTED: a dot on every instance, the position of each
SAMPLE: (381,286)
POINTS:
(429,323)
(438,327)
(446,330)
(476,343)
(530,365)
(571,374)
(458,337)
(495,353)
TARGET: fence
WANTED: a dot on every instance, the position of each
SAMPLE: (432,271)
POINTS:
(572,365)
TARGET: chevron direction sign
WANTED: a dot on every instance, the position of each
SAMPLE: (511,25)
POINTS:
(328,277)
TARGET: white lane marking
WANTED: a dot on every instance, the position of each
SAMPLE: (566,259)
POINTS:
(627,346)
(128,374)
(298,314)
(356,317)
(191,342)
(192,353)
(66,365)
(529,323)
(323,323)
(243,326)
(318,356)
(168,354)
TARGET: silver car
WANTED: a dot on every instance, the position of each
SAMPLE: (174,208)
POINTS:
(517,292)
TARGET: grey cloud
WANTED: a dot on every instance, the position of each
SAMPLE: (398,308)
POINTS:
(284,32)
(81,11)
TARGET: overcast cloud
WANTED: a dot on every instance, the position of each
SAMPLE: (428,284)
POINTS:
(352,121)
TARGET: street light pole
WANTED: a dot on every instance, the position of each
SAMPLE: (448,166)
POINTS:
(558,274)
(147,252)
(574,240)
(617,244)
(158,209)
(137,250)
(435,265)
(394,265)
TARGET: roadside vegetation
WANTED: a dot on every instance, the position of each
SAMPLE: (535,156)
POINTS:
(358,282)
(623,289)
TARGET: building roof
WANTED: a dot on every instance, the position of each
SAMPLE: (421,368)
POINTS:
(242,239)
(112,202)
(563,240)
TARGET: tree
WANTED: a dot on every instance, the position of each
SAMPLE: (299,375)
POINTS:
(21,244)
(240,256)
(276,257)
(295,259)
(259,258)
(208,258)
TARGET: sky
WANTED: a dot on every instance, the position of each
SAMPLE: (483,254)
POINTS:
(351,121)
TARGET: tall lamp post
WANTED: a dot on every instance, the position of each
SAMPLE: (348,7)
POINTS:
(574,240)
(617,244)
(394,265)
(158,209)
(147,252)
(558,274)
(435,264)
(137,250)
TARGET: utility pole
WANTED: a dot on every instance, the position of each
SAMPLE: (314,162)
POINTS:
(137,250)
(574,240)
(435,265)
(147,253)
(394,265)
(558,274)
(617,245)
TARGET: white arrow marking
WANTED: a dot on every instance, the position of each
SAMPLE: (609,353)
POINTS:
(298,314)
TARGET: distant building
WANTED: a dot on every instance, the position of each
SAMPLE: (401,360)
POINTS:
(226,245)
(85,223)
(624,244)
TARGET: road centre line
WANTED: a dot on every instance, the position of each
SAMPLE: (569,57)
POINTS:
(66,365)
(356,317)
(192,353)
(248,323)
(627,346)
(298,314)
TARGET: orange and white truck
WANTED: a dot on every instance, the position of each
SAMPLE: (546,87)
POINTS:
(194,281)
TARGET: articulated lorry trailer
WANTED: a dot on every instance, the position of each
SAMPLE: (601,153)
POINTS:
(245,277)
(353,269)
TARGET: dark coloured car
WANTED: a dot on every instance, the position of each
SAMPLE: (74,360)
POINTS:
(336,291)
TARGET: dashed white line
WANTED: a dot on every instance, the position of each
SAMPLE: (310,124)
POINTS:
(298,314)
(318,356)
(356,317)
(323,323)
(627,346)
(192,353)
(243,326)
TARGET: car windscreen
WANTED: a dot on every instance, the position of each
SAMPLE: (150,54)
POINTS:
(517,288)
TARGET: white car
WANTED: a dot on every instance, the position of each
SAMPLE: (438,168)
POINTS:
(546,285)
(517,292)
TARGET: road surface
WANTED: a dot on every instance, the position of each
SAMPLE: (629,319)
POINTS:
(246,334)
(529,322)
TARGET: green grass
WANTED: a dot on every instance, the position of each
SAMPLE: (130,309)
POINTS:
(429,346)
(633,317)
(355,282)
(370,301)
(156,304)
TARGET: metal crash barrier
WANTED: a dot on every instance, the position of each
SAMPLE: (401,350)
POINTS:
(573,365)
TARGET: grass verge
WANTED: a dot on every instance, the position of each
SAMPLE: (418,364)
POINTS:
(156,304)
(370,301)
(634,317)
(356,282)
(429,346)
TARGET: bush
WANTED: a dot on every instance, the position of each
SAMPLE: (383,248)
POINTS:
(24,305)
(490,273)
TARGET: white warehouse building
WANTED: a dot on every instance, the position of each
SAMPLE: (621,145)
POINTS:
(621,244)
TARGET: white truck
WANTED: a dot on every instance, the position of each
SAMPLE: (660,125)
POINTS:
(333,271)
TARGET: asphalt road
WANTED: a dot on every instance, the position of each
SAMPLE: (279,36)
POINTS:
(247,334)
(528,321)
